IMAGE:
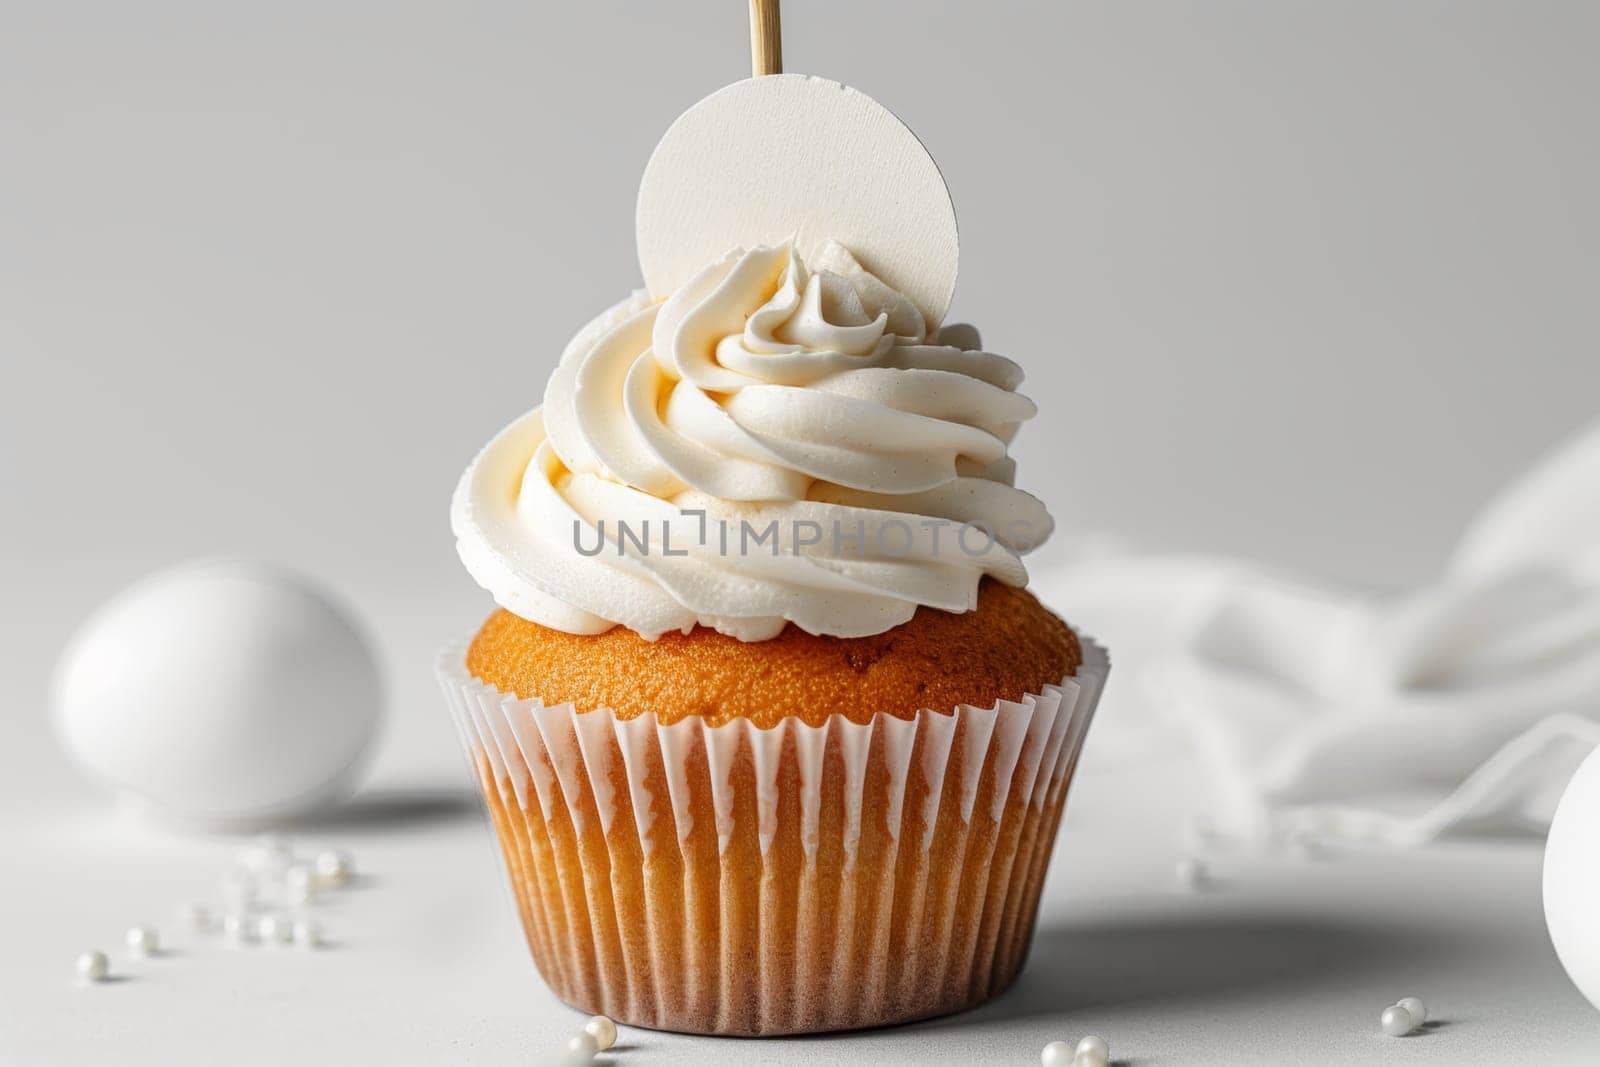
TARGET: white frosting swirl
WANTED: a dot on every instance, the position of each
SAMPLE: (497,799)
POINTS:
(770,444)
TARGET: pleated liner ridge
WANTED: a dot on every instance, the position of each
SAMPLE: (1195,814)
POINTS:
(734,880)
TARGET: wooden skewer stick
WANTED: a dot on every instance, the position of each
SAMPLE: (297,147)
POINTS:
(766,38)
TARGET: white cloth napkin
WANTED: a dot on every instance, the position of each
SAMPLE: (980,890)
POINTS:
(1319,713)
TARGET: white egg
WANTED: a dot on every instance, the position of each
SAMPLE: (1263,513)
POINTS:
(1572,879)
(219,692)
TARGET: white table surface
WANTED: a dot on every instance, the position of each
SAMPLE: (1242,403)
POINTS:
(1284,961)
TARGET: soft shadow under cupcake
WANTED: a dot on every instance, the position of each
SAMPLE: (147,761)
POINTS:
(1142,962)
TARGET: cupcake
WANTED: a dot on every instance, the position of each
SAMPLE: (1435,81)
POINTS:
(772,736)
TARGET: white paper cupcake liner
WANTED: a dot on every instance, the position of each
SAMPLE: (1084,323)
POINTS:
(737,880)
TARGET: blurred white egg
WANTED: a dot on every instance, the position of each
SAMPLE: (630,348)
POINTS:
(220,692)
(1572,879)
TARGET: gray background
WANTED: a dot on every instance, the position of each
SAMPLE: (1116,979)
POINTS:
(1301,281)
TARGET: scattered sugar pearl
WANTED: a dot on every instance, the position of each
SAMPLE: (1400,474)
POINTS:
(93,967)
(141,940)
(334,867)
(1092,1051)
(270,852)
(578,1051)
(236,926)
(308,934)
(1057,1054)
(603,1030)
(195,916)
(1396,1021)
(1193,874)
(273,928)
(1414,1005)
(299,884)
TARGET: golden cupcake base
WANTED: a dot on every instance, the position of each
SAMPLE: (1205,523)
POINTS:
(803,878)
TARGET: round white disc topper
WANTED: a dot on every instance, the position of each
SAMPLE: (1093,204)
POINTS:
(791,155)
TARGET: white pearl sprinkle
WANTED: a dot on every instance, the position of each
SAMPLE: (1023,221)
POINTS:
(271,852)
(308,934)
(273,928)
(93,967)
(334,867)
(300,884)
(603,1030)
(141,940)
(1193,873)
(1057,1054)
(1092,1051)
(195,916)
(1414,1005)
(578,1051)
(1396,1021)
(238,929)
